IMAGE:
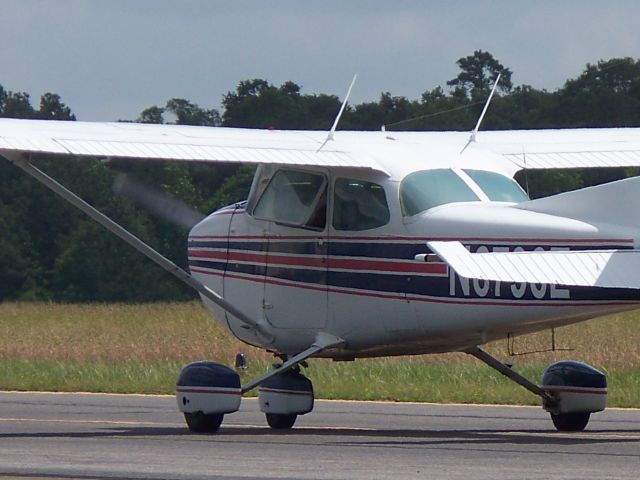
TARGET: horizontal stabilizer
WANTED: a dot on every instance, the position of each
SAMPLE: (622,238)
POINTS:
(585,268)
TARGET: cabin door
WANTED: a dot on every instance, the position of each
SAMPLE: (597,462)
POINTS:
(295,281)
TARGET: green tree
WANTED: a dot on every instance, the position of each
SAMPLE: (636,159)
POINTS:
(188,113)
(185,112)
(235,188)
(52,108)
(438,111)
(18,105)
(258,104)
(604,95)
(15,105)
(525,107)
(478,74)
(388,110)
(152,114)
(17,275)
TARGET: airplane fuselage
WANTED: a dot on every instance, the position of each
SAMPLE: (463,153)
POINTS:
(367,287)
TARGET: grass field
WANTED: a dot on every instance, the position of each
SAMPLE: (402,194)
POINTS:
(141,348)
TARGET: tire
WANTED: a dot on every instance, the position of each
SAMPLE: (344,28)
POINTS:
(198,422)
(281,422)
(571,422)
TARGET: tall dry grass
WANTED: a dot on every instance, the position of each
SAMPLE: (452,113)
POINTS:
(140,348)
(114,332)
(186,331)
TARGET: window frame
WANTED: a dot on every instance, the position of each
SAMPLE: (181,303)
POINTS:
(323,190)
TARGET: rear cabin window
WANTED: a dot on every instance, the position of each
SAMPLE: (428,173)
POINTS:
(498,187)
(294,198)
(420,191)
(359,205)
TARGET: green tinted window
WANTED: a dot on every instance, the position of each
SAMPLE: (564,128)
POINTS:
(423,190)
(498,187)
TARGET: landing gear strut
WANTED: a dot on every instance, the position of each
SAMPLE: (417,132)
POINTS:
(570,390)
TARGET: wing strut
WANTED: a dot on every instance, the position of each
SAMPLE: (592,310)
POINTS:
(259,326)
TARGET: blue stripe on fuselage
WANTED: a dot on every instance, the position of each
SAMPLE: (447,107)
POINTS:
(399,283)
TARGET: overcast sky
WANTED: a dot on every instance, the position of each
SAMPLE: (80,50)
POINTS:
(111,59)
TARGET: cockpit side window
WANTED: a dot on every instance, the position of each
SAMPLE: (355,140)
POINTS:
(420,191)
(359,205)
(294,198)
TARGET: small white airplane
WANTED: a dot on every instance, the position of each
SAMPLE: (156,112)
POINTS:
(376,244)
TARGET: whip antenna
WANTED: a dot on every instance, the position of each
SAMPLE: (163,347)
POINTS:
(474,132)
(526,172)
(335,122)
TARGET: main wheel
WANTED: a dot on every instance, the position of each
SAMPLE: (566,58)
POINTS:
(281,422)
(571,422)
(199,422)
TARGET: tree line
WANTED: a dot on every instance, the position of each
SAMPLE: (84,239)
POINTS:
(49,251)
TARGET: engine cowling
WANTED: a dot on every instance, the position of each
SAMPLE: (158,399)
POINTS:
(576,388)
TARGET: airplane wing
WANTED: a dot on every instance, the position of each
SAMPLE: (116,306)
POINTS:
(586,268)
(566,148)
(175,142)
(531,149)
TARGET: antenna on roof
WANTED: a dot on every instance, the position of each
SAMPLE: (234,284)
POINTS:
(474,132)
(335,122)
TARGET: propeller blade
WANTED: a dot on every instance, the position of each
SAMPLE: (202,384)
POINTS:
(156,201)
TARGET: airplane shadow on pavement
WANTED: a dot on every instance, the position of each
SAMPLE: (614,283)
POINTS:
(346,437)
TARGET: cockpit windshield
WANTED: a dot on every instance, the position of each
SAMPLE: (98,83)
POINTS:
(420,191)
(498,187)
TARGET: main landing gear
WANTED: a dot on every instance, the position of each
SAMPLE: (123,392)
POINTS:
(571,391)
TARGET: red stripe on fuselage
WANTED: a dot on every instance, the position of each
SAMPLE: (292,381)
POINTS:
(383,266)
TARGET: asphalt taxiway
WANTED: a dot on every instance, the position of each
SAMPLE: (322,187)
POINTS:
(123,436)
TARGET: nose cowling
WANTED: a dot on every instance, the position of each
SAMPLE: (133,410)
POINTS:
(496,221)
